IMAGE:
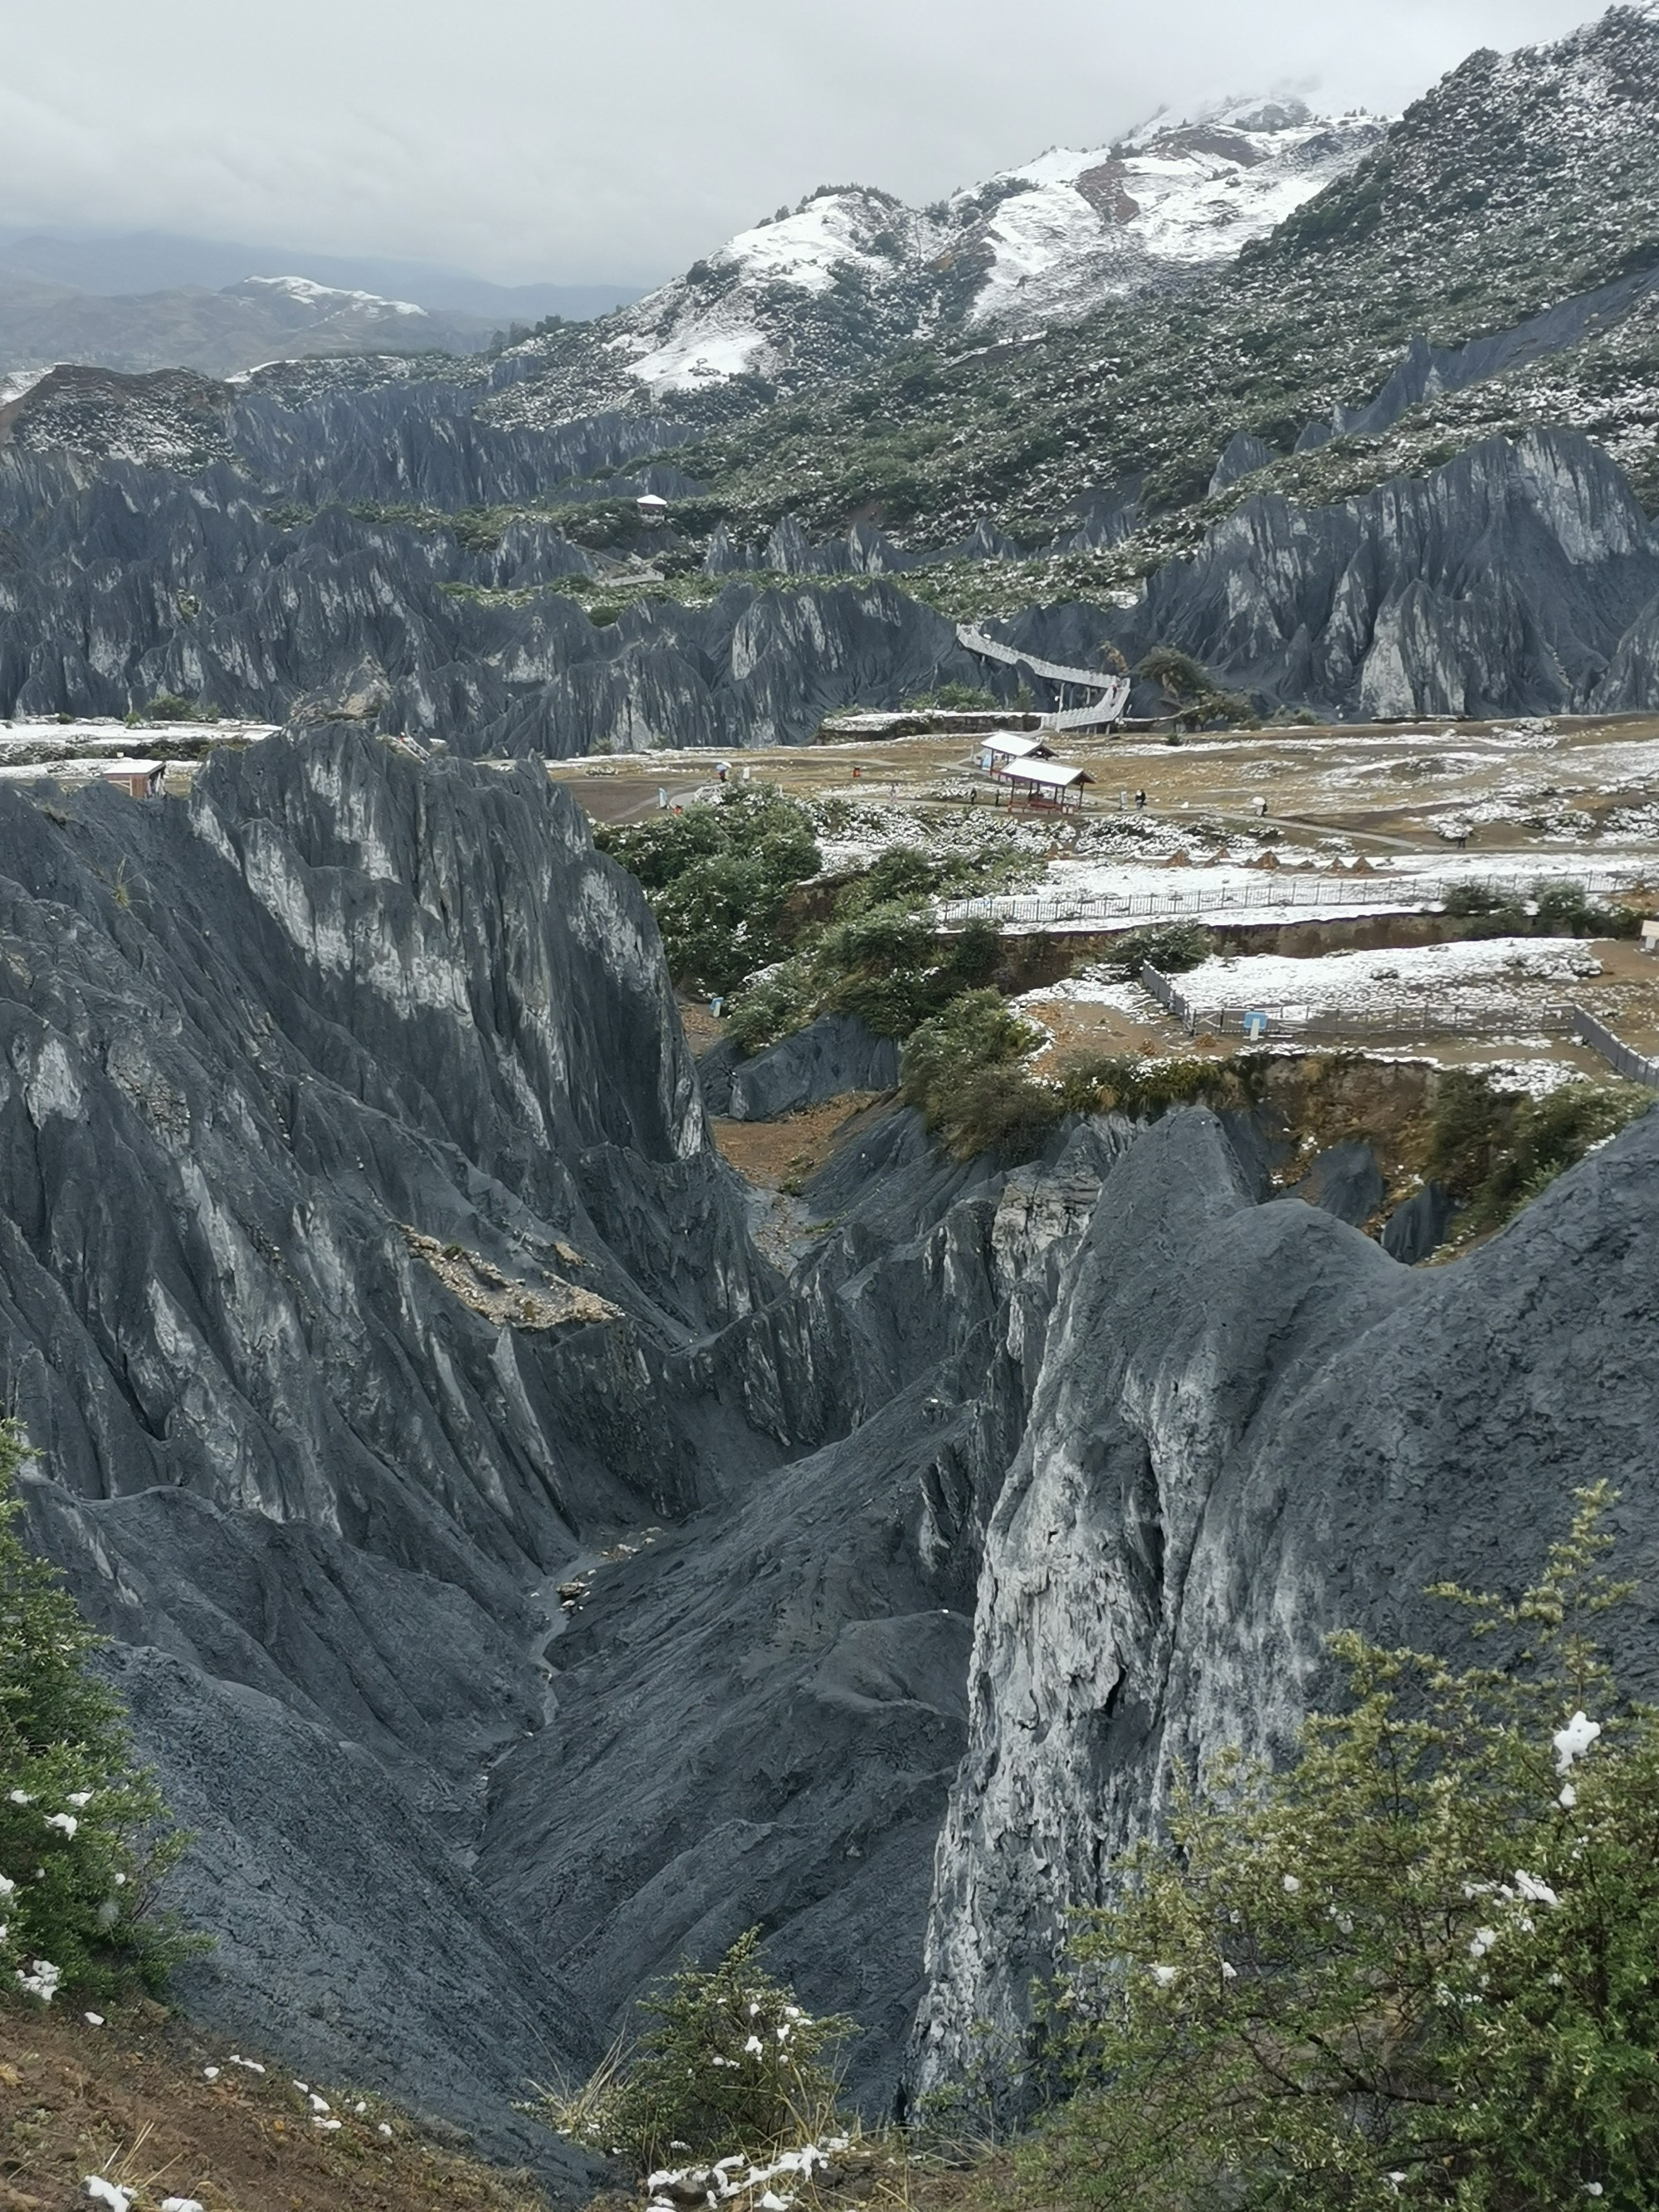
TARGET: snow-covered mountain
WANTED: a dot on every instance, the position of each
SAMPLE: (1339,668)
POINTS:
(216,333)
(852,271)
(321,302)
(1072,228)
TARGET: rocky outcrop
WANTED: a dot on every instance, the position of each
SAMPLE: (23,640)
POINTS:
(365,1277)
(1251,1425)
(1520,578)
(256,1047)
(368,1280)
(125,584)
(837,1053)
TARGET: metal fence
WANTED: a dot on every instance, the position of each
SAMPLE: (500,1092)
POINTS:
(1633,1066)
(1425,1016)
(1272,890)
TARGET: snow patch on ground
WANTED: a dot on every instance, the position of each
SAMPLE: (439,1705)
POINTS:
(1457,978)
(1092,223)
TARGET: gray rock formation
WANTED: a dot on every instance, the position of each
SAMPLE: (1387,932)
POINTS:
(1419,1226)
(367,1275)
(1345,1181)
(1522,576)
(835,1053)
(1245,453)
(1250,1426)
(354,1195)
(1425,371)
(125,584)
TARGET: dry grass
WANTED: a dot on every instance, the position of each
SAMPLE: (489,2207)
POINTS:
(131,2101)
(783,1154)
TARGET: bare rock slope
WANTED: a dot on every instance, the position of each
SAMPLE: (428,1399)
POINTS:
(1251,1427)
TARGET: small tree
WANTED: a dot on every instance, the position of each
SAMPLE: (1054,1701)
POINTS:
(729,2063)
(1421,1965)
(84,1836)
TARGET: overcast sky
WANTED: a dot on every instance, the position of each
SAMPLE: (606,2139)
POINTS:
(596,140)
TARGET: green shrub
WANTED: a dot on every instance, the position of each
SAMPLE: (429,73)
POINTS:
(957,698)
(728,2062)
(718,876)
(1143,1089)
(1171,946)
(781,1000)
(965,1070)
(879,959)
(84,1836)
(1419,1966)
(1567,906)
(1192,694)
(1472,898)
(1493,1151)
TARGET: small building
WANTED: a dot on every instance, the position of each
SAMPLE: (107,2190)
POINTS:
(653,510)
(1004,746)
(139,778)
(1650,936)
(1046,782)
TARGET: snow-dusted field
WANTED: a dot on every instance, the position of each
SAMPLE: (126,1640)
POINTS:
(1457,980)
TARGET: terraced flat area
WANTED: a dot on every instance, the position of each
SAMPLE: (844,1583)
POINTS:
(1276,836)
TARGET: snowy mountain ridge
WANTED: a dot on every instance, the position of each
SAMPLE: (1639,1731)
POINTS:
(326,299)
(1076,227)
(852,271)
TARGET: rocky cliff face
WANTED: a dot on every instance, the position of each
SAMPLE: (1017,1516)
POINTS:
(517,1584)
(365,1276)
(354,1192)
(1252,1426)
(1523,572)
(1521,578)
(127,583)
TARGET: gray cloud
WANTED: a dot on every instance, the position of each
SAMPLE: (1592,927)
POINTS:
(543,138)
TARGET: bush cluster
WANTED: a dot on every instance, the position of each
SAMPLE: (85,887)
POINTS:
(1172,947)
(718,876)
(727,2062)
(1195,701)
(84,1836)
(880,955)
(1420,1965)
(968,1071)
(1556,908)
(1494,1151)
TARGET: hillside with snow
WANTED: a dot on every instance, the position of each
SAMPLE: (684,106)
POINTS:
(853,272)
(1072,228)
(214,332)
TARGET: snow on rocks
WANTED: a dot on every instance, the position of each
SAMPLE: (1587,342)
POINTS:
(1073,226)
(750,2185)
(112,2193)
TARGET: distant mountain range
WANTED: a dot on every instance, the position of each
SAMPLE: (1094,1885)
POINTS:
(149,300)
(842,279)
(1366,417)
